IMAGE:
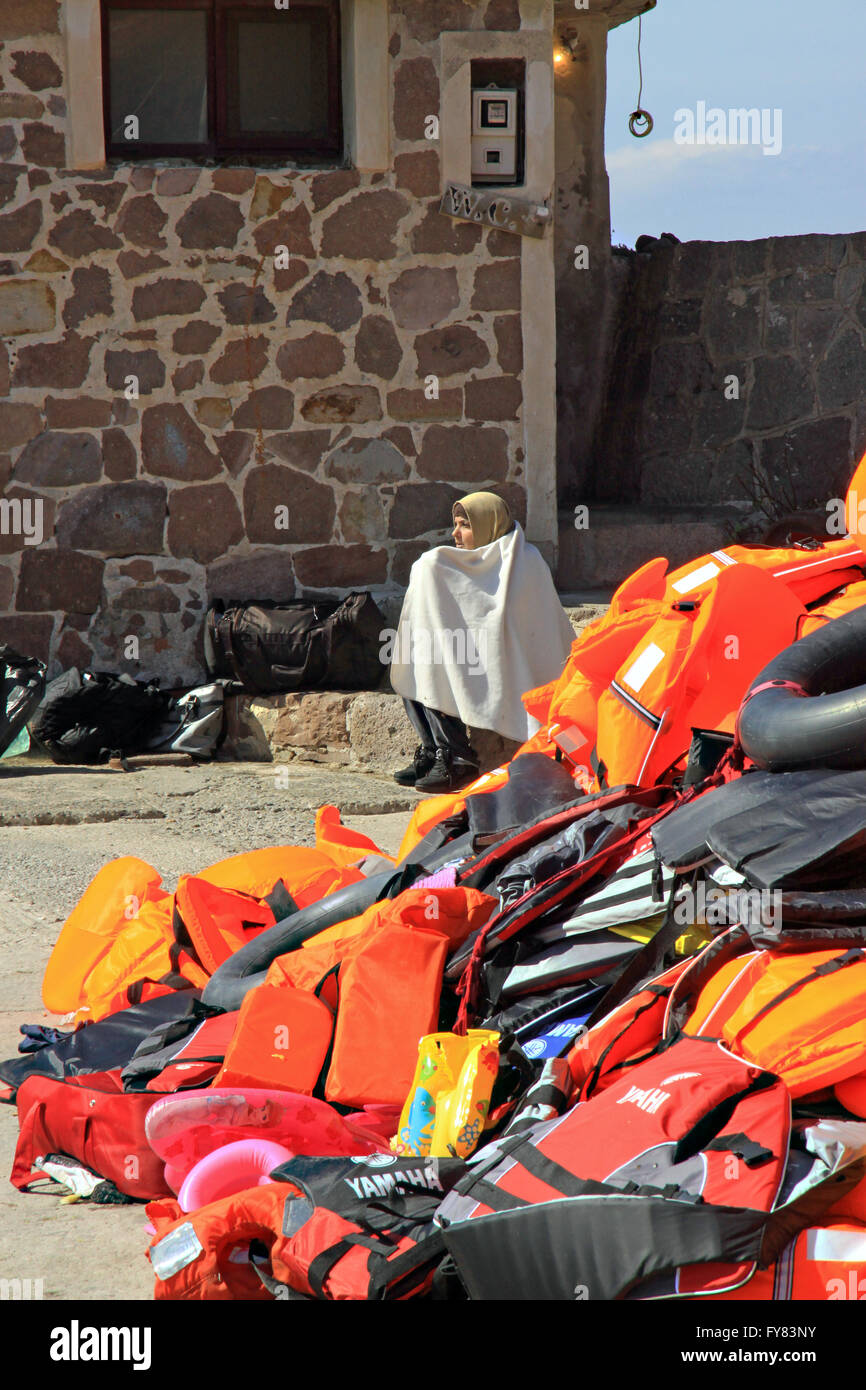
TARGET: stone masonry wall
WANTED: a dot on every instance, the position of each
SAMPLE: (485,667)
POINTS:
(281,441)
(786,317)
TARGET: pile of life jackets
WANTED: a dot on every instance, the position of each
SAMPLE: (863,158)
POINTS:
(595,1032)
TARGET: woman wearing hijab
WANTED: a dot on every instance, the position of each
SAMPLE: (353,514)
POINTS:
(480,624)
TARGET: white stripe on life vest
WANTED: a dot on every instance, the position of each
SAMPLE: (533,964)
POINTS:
(836,1246)
(722,556)
(829,561)
(640,671)
(691,581)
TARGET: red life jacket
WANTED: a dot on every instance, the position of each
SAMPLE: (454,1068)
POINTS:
(331,1228)
(690,1125)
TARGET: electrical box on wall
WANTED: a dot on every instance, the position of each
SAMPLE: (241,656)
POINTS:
(494,134)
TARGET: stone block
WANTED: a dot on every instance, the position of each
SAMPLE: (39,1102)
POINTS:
(283,506)
(732,322)
(325,188)
(362,516)
(311,721)
(509,343)
(209,222)
(816,326)
(365,227)
(802,287)
(813,461)
(497,286)
(18,229)
(30,633)
(244,359)
(23,19)
(421,508)
(340,567)
(43,145)
(782,393)
(417,405)
(114,519)
(680,318)
(62,579)
(267,574)
(166,297)
(416,96)
(316,355)
(26,306)
(61,366)
(18,424)
(450,351)
(842,374)
(118,455)
(78,234)
(203,522)
(377,348)
(343,404)
(330,298)
(301,448)
(77,412)
(246,304)
(418,172)
(290,228)
(475,454)
(367,461)
(173,446)
(187,377)
(437,234)
(91,295)
(235,449)
(58,459)
(424,296)
(147,366)
(270,408)
(195,338)
(141,221)
(493,398)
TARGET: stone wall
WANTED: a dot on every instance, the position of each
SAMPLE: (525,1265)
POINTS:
(731,358)
(281,440)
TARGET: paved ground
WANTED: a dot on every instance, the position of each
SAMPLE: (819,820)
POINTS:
(58,826)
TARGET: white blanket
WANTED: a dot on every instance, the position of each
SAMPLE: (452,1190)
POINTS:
(477,628)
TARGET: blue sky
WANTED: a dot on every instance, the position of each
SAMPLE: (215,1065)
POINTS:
(805,57)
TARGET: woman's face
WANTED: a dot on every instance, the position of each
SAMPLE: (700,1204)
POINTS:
(462,533)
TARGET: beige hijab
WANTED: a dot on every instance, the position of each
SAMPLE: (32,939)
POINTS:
(488,516)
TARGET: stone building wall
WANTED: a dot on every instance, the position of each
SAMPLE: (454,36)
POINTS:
(786,318)
(281,441)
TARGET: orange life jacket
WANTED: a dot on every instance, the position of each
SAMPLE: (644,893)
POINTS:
(823,1264)
(367,997)
(797,1014)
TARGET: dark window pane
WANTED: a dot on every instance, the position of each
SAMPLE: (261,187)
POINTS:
(278,74)
(158,64)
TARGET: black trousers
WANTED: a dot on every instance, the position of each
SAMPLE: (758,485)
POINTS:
(437,730)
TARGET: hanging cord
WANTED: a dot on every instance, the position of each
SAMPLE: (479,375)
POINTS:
(640,118)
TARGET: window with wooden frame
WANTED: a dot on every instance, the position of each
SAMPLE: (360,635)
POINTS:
(217,79)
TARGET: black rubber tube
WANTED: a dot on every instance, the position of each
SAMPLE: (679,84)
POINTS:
(781,730)
(248,967)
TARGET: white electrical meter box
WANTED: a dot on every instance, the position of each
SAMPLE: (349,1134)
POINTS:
(494,134)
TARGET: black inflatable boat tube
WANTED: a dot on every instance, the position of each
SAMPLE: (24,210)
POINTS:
(248,967)
(807,708)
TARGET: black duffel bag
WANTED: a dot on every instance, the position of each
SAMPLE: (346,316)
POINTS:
(91,716)
(304,644)
(22,685)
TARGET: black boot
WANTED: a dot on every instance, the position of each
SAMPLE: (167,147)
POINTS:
(447,774)
(422,761)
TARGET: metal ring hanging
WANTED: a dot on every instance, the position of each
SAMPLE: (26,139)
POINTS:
(640,118)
